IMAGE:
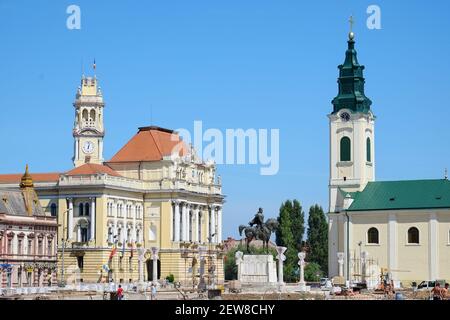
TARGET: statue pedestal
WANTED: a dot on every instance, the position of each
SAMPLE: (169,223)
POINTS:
(257,269)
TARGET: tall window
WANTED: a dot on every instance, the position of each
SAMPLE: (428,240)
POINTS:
(368,150)
(86,209)
(80,262)
(53,210)
(199,227)
(345,149)
(110,235)
(30,247)
(84,234)
(80,209)
(413,235)
(138,235)
(372,236)
(190,226)
(40,247)
(49,248)
(20,246)
(10,247)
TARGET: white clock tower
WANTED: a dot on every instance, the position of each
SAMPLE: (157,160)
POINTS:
(352,125)
(88,131)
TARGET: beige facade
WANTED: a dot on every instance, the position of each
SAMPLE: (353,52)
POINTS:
(154,193)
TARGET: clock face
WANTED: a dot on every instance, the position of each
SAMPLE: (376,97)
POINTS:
(345,116)
(88,147)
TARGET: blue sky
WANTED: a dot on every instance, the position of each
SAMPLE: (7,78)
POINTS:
(231,64)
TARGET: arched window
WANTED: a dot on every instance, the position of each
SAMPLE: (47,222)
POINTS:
(86,209)
(345,149)
(53,210)
(372,236)
(368,150)
(413,235)
(85,115)
(80,209)
(92,115)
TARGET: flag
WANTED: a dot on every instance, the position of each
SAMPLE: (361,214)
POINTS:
(123,249)
(94,65)
(113,251)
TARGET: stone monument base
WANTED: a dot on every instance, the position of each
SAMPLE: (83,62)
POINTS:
(257,269)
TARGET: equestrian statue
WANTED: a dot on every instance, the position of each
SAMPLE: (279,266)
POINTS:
(259,230)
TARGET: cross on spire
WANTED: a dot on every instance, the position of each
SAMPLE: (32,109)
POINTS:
(351,21)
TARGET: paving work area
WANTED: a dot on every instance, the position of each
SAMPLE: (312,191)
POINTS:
(288,292)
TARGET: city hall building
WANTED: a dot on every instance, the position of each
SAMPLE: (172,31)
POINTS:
(402,227)
(153,200)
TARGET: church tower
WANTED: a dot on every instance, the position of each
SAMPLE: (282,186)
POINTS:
(88,131)
(352,152)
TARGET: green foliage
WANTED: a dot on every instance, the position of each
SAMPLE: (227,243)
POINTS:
(230,260)
(289,235)
(313,272)
(318,237)
(170,278)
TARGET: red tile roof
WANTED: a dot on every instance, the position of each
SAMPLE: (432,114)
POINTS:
(151,144)
(92,168)
(37,177)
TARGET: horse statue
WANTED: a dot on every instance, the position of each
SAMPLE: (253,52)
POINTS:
(259,230)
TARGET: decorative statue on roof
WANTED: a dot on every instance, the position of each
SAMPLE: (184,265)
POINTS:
(259,230)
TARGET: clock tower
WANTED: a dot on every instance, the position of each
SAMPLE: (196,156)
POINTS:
(352,124)
(88,131)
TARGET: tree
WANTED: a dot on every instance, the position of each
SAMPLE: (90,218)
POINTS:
(298,223)
(318,237)
(289,235)
(313,272)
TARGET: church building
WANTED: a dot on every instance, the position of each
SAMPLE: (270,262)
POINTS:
(153,200)
(399,228)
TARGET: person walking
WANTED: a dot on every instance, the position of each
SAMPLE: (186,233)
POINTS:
(437,291)
(120,293)
(153,288)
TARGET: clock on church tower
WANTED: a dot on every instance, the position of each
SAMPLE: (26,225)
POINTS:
(88,131)
(352,125)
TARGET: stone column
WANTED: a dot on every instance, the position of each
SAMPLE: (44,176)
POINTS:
(70,220)
(219,224)
(93,217)
(78,233)
(133,233)
(183,221)
(141,254)
(340,256)
(239,257)
(281,258)
(301,263)
(155,258)
(176,236)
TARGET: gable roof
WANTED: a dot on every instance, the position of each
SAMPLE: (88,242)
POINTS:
(408,194)
(150,144)
(92,168)
(37,177)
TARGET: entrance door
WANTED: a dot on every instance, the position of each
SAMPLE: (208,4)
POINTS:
(150,269)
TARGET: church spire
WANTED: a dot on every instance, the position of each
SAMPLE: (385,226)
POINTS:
(351,81)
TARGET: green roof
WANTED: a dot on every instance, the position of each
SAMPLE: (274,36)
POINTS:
(409,194)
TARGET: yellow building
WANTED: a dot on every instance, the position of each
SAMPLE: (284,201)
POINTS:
(376,228)
(153,193)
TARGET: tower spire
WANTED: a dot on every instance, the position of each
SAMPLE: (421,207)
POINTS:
(351,81)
